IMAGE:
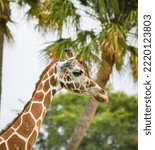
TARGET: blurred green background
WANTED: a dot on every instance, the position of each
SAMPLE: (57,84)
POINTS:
(113,128)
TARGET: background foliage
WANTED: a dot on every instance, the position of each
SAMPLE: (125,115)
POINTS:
(116,20)
(113,128)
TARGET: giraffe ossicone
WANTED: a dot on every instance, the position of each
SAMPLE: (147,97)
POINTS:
(71,74)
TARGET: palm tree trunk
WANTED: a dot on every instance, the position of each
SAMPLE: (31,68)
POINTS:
(1,60)
(4,18)
(90,109)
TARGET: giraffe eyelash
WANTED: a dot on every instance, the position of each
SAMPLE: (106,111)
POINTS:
(77,73)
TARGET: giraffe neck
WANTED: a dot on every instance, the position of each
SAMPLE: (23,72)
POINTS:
(22,133)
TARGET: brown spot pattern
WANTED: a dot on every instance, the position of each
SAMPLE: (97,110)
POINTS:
(55,70)
(7,134)
(27,107)
(44,113)
(76,91)
(77,85)
(92,83)
(45,77)
(53,81)
(39,123)
(38,96)
(47,99)
(32,140)
(27,126)
(17,123)
(65,79)
(2,146)
(40,86)
(68,78)
(53,92)
(36,110)
(46,86)
(51,71)
(82,88)
(70,85)
(15,143)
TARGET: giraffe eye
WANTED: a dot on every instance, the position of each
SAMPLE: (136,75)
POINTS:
(77,72)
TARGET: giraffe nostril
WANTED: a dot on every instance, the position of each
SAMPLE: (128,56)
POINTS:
(102,91)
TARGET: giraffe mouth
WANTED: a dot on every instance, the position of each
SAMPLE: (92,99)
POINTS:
(101,99)
(101,96)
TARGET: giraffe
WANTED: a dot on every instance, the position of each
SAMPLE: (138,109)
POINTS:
(71,74)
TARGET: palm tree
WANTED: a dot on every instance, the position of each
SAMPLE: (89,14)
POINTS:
(4,32)
(107,47)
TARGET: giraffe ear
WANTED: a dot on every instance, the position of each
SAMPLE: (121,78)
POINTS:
(65,64)
(69,52)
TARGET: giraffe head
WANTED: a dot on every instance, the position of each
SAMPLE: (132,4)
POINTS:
(74,76)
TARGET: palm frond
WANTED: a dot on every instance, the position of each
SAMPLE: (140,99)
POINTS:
(117,18)
(113,39)
(134,61)
(8,34)
(101,10)
(53,14)
(5,14)
(85,46)
(56,49)
(131,20)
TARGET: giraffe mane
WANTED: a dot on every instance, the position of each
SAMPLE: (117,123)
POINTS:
(37,84)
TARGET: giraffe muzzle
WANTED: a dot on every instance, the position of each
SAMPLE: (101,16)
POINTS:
(101,96)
